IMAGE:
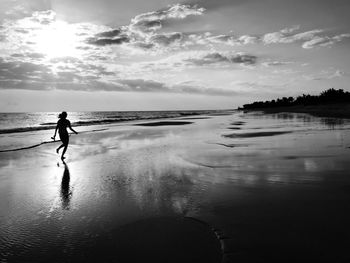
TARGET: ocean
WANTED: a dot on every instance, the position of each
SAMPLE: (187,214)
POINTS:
(17,129)
(35,121)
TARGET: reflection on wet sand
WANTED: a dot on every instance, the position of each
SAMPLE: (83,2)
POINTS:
(255,134)
(66,193)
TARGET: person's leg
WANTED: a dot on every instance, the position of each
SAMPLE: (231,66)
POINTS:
(57,150)
(64,151)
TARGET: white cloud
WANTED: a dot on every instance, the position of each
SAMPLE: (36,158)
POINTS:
(152,21)
(324,41)
(325,75)
(309,39)
(276,63)
(284,36)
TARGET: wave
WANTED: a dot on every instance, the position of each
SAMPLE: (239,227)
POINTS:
(27,147)
(106,120)
(26,129)
(42,143)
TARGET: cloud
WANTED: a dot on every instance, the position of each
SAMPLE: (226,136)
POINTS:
(326,75)
(17,9)
(285,36)
(324,41)
(108,41)
(28,75)
(142,32)
(208,38)
(166,39)
(44,17)
(215,57)
(85,77)
(125,58)
(245,39)
(309,39)
(152,21)
(110,37)
(22,71)
(42,33)
(110,33)
(182,61)
(188,87)
(142,85)
(276,63)
(31,55)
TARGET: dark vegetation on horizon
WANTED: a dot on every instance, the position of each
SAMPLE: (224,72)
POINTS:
(329,96)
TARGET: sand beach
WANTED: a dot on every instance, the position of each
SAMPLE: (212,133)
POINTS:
(232,187)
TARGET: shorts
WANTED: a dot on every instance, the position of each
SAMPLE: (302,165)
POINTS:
(64,137)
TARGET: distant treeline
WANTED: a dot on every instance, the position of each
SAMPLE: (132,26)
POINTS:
(326,97)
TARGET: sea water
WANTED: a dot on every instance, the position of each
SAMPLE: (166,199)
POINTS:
(27,129)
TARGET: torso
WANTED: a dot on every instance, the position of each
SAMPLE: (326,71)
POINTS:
(62,125)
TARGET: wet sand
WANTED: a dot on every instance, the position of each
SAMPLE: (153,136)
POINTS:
(128,190)
(164,123)
(255,134)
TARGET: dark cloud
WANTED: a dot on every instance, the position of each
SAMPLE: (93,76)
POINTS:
(143,45)
(276,63)
(27,75)
(216,57)
(30,76)
(108,41)
(244,59)
(142,85)
(22,71)
(147,26)
(32,55)
(21,30)
(209,59)
(112,33)
(166,39)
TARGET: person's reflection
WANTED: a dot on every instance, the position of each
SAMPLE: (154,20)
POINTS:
(65,189)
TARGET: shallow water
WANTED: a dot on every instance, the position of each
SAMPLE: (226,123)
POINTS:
(278,187)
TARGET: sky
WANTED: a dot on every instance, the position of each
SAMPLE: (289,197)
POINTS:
(92,55)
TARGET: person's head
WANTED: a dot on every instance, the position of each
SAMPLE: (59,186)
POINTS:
(62,115)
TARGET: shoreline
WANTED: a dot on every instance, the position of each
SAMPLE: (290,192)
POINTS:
(338,110)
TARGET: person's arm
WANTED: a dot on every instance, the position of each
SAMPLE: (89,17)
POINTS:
(70,127)
(54,136)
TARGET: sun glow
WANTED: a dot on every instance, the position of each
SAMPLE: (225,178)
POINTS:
(57,39)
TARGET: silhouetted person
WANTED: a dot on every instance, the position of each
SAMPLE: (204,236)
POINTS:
(62,126)
(65,190)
